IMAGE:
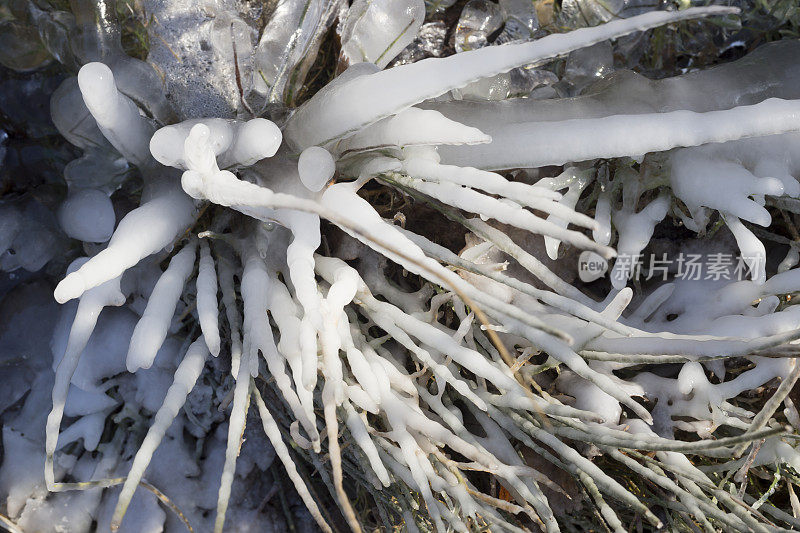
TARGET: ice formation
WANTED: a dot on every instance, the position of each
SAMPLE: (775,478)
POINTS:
(487,361)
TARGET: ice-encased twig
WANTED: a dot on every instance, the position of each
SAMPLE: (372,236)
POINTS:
(285,312)
(769,71)
(90,305)
(236,424)
(226,273)
(274,435)
(487,206)
(557,143)
(551,298)
(186,376)
(142,232)
(341,205)
(532,196)
(351,105)
(411,127)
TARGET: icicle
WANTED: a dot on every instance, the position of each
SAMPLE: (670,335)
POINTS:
(635,230)
(539,198)
(90,305)
(284,311)
(185,378)
(152,328)
(273,433)
(117,116)
(570,199)
(752,249)
(142,232)
(226,272)
(236,423)
(412,127)
(489,207)
(207,305)
(701,180)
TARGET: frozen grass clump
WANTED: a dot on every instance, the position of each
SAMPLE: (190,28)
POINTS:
(388,273)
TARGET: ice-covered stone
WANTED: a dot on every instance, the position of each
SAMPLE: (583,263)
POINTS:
(479,20)
(376,31)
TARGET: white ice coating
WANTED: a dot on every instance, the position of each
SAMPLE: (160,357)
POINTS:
(790,261)
(424,164)
(89,307)
(254,140)
(273,433)
(343,196)
(233,142)
(142,232)
(152,328)
(316,316)
(412,127)
(701,180)
(236,423)
(256,331)
(369,98)
(121,122)
(87,215)
(537,144)
(503,211)
(185,378)
(769,71)
(226,283)
(741,173)
(207,305)
(376,31)
(753,252)
(316,168)
(167,144)
(570,199)
(285,312)
(635,230)
(358,215)
(602,215)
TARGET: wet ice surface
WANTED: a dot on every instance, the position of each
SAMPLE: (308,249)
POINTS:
(199,77)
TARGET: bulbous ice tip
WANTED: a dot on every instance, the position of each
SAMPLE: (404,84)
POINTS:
(166,146)
(213,346)
(198,135)
(316,167)
(144,345)
(197,151)
(70,287)
(258,139)
(96,82)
